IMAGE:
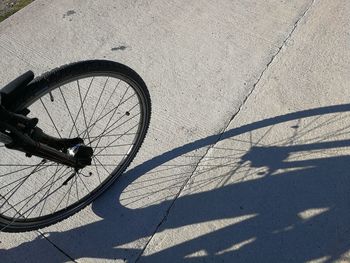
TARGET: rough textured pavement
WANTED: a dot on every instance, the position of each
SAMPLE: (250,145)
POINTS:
(247,155)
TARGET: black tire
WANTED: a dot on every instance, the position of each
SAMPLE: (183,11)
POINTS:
(51,87)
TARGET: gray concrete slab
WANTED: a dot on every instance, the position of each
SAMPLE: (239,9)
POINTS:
(200,61)
(275,187)
(29,247)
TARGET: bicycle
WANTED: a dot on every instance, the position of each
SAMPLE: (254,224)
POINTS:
(65,137)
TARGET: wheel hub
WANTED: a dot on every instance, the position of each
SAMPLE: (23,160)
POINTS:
(82,153)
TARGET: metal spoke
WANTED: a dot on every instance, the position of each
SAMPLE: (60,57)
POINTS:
(76,118)
(26,165)
(78,173)
(98,174)
(116,154)
(65,195)
(109,121)
(34,194)
(54,125)
(103,166)
(114,141)
(48,191)
(113,135)
(83,110)
(98,101)
(114,146)
(99,119)
(76,187)
(109,98)
(42,188)
(121,124)
(20,170)
(70,114)
(22,179)
(69,191)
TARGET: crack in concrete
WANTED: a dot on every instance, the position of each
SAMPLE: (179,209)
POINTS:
(174,200)
(55,246)
(269,63)
(226,126)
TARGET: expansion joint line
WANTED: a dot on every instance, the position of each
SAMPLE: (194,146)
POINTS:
(225,127)
(58,248)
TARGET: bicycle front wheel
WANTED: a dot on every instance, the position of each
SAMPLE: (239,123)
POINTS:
(107,105)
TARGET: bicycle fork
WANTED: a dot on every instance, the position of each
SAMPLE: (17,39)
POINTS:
(19,132)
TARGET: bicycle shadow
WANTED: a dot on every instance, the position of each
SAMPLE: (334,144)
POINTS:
(276,202)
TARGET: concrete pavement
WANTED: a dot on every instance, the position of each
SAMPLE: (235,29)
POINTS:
(235,166)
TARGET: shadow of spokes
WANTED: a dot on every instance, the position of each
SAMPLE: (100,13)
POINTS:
(276,190)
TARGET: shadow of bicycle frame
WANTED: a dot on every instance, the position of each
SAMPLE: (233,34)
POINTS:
(275,204)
